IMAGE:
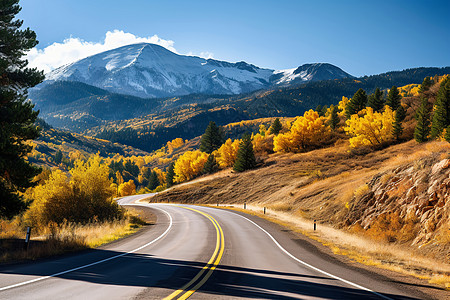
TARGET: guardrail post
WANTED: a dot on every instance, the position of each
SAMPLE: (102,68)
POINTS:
(264,210)
(245,205)
(315,226)
(27,238)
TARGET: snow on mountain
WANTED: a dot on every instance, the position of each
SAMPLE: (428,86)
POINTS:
(148,70)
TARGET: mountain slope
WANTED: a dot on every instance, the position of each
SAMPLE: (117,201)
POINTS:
(148,70)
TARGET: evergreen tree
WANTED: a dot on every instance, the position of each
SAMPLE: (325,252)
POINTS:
(334,118)
(357,103)
(422,129)
(212,139)
(153,181)
(276,127)
(400,115)
(245,159)
(16,114)
(58,157)
(447,134)
(426,84)
(441,116)
(393,98)
(376,100)
(170,174)
(210,165)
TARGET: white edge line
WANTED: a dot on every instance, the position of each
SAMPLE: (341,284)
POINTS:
(312,267)
(94,263)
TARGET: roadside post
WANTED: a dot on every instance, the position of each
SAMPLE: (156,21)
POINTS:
(264,210)
(245,205)
(27,239)
(315,226)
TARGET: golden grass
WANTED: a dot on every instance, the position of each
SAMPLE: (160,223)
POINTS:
(67,237)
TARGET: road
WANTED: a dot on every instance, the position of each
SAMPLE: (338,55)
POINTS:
(201,253)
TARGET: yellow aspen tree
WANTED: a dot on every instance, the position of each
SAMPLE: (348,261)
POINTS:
(342,105)
(227,153)
(189,165)
(127,188)
(370,129)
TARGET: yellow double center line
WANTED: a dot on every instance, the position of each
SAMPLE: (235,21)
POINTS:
(189,288)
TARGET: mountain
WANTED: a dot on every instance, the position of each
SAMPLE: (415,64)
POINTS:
(151,71)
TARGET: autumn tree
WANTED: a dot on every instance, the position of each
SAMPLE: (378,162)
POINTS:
(441,116)
(227,153)
(393,98)
(276,127)
(127,188)
(371,129)
(170,174)
(356,103)
(308,131)
(16,113)
(189,165)
(245,156)
(211,139)
(83,196)
(376,100)
(400,115)
(422,129)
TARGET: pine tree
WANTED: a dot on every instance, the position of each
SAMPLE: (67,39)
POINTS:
(276,127)
(212,139)
(393,98)
(376,100)
(211,165)
(16,114)
(447,134)
(58,157)
(426,84)
(441,116)
(153,181)
(245,157)
(356,103)
(334,118)
(170,174)
(422,129)
(400,115)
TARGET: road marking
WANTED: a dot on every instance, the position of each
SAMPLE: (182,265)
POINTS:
(94,263)
(312,267)
(209,267)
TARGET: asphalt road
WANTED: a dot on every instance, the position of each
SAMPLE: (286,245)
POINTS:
(201,253)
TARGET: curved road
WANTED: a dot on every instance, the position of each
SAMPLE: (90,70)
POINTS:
(201,253)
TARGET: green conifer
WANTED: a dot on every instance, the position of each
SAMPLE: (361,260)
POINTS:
(245,156)
(400,115)
(394,98)
(276,127)
(447,134)
(170,174)
(357,103)
(153,181)
(16,113)
(422,129)
(210,165)
(441,116)
(212,139)
(334,118)
(426,84)
(376,100)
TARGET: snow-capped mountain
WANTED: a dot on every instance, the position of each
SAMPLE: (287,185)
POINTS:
(149,70)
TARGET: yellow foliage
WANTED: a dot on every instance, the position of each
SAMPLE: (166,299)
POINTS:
(342,105)
(176,143)
(189,165)
(307,131)
(262,143)
(227,153)
(161,175)
(409,90)
(127,188)
(372,128)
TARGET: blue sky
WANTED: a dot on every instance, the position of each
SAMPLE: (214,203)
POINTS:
(361,37)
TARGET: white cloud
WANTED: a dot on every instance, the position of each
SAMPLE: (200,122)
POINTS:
(73,49)
(203,54)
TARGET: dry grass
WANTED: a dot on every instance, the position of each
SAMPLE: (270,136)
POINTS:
(68,237)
